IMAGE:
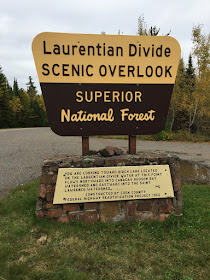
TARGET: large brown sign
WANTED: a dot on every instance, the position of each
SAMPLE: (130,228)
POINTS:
(106,84)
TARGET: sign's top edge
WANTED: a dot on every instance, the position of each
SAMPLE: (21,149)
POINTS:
(117,167)
(105,35)
(157,38)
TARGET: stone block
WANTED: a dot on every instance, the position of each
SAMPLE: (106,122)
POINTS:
(108,151)
(46,179)
(64,219)
(42,191)
(117,161)
(40,214)
(131,208)
(92,152)
(155,206)
(118,151)
(110,162)
(65,162)
(52,206)
(88,217)
(39,204)
(45,169)
(91,205)
(178,211)
(141,216)
(73,217)
(76,162)
(165,205)
(163,159)
(162,217)
(54,168)
(98,162)
(55,213)
(138,160)
(179,197)
(50,189)
(71,207)
(152,157)
(54,180)
(112,211)
(144,205)
(174,202)
(176,176)
(49,197)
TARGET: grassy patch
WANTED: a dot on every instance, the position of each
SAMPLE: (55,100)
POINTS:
(33,249)
(164,136)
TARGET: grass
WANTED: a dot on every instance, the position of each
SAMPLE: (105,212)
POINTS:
(33,249)
(181,136)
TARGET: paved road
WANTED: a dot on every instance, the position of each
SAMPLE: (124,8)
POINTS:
(22,152)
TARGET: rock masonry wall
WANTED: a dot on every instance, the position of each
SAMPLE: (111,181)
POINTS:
(115,211)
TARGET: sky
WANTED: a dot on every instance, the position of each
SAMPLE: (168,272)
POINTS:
(22,20)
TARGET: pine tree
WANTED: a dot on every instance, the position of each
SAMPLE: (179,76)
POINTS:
(31,89)
(6,114)
(189,101)
(26,109)
(15,89)
(177,112)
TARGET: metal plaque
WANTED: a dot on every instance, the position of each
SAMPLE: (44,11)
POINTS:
(106,84)
(79,185)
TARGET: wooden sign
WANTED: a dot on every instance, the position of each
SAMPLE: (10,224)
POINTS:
(79,185)
(106,84)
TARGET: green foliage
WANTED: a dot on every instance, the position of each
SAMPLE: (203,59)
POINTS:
(20,108)
(190,104)
(6,114)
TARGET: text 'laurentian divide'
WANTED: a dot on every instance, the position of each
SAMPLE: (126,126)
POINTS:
(103,50)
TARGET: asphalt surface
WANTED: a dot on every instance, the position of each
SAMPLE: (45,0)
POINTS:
(22,152)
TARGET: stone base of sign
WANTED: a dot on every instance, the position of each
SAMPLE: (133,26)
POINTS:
(114,211)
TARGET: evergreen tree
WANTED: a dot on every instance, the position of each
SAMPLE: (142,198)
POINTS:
(190,72)
(188,101)
(177,112)
(31,89)
(15,89)
(6,114)
(26,109)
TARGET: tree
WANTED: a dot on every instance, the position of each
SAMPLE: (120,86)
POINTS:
(15,89)
(142,28)
(201,51)
(31,89)
(189,100)
(26,109)
(176,110)
(6,114)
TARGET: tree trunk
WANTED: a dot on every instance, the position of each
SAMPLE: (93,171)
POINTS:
(172,121)
(193,118)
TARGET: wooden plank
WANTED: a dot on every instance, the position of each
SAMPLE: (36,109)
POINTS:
(85,145)
(132,144)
